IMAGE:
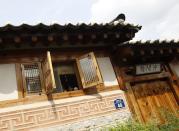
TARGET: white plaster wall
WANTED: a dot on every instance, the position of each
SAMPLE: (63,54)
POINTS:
(8,83)
(65,101)
(107,71)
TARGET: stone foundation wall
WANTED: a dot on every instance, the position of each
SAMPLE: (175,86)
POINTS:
(84,112)
(92,124)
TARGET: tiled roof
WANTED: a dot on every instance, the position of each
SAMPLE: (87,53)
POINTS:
(39,36)
(70,27)
(158,42)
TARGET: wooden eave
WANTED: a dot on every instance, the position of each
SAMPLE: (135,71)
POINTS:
(56,36)
(148,51)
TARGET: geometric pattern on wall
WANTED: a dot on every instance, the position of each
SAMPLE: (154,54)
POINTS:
(57,114)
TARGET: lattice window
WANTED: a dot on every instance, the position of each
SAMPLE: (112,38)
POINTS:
(32,78)
(89,70)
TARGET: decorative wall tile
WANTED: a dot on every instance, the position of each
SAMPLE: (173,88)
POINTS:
(57,114)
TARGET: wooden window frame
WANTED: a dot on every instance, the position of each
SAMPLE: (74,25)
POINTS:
(23,86)
(95,64)
(76,73)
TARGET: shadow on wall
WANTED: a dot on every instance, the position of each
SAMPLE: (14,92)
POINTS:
(54,111)
(92,91)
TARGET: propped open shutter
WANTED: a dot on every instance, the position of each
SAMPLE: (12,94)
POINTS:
(174,65)
(89,70)
(48,74)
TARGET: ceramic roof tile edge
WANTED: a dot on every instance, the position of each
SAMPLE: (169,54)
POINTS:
(58,26)
(156,42)
(120,23)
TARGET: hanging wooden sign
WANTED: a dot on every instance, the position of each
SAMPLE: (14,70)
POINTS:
(148,68)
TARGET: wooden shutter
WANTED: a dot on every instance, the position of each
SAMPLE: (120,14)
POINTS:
(48,74)
(89,70)
(174,65)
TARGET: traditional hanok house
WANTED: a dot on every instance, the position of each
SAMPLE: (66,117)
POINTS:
(150,74)
(53,75)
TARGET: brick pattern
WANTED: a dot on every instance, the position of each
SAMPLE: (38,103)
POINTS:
(57,114)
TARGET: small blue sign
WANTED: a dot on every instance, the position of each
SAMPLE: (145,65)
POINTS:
(119,103)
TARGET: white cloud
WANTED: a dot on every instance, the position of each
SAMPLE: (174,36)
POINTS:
(159,18)
(46,11)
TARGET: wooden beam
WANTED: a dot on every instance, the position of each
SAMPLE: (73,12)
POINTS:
(177,50)
(124,59)
(93,36)
(161,51)
(170,50)
(17,39)
(34,39)
(151,52)
(55,96)
(65,37)
(105,36)
(1,43)
(132,53)
(147,77)
(117,35)
(19,81)
(50,38)
(80,36)
(142,52)
(1,40)
(64,46)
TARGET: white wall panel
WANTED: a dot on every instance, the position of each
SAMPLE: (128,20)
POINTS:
(8,83)
(107,71)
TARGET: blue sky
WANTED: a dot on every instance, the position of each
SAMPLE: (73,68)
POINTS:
(159,18)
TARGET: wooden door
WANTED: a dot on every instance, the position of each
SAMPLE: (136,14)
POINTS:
(151,96)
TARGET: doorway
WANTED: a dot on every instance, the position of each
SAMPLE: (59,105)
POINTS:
(151,96)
